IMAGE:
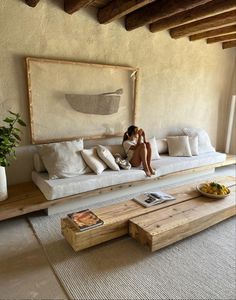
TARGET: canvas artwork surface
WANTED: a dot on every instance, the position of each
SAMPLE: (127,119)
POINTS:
(69,100)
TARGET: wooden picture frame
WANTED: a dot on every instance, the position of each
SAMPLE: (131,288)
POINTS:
(53,83)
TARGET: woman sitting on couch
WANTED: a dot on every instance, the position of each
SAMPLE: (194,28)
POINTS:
(137,149)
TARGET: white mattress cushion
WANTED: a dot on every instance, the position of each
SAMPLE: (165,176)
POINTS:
(168,164)
(53,189)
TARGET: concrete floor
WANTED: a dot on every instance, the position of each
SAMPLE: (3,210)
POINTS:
(25,272)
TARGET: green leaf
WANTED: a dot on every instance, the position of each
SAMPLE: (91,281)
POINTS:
(14,114)
(10,138)
(8,120)
(16,136)
(17,129)
(22,123)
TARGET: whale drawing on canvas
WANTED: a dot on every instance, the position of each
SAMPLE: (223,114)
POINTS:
(101,104)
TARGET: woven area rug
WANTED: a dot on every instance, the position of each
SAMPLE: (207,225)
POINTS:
(200,267)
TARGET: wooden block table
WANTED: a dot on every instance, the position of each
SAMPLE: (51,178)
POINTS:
(166,226)
(118,217)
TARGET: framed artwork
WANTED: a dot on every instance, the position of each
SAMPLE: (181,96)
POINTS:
(70,99)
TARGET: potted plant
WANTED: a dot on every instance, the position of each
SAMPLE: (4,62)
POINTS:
(9,140)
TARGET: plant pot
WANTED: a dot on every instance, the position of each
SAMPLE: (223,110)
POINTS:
(3,184)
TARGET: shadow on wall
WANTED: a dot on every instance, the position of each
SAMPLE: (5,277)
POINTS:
(91,12)
(58,3)
(20,77)
(20,169)
(221,130)
(224,115)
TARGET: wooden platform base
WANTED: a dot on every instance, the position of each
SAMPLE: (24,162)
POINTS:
(117,217)
(166,226)
(26,197)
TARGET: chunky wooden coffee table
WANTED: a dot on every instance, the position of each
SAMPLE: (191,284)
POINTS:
(156,226)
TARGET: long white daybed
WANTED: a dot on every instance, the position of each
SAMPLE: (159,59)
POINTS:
(59,188)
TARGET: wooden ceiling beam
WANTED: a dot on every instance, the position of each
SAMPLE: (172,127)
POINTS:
(214,32)
(212,8)
(71,6)
(221,38)
(230,44)
(32,3)
(158,10)
(204,24)
(119,8)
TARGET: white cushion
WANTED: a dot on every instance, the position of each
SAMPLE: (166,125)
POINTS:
(193,142)
(38,163)
(153,144)
(63,159)
(204,143)
(162,146)
(178,146)
(53,189)
(107,157)
(93,161)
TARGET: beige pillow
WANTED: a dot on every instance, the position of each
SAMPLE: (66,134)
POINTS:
(153,144)
(162,146)
(38,163)
(93,161)
(107,157)
(178,146)
(204,142)
(63,159)
(193,142)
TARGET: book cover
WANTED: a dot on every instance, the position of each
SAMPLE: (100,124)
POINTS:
(153,198)
(161,195)
(85,219)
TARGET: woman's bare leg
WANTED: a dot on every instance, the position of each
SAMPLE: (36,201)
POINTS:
(140,156)
(149,158)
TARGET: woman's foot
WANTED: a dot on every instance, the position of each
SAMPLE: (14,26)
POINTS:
(148,173)
(152,171)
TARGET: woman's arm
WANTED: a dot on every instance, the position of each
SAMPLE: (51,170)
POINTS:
(144,138)
(139,141)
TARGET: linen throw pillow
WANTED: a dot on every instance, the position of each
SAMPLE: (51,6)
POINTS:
(63,159)
(162,146)
(204,143)
(38,163)
(178,146)
(153,144)
(93,161)
(193,142)
(107,157)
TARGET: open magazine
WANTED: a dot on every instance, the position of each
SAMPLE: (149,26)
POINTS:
(84,219)
(153,198)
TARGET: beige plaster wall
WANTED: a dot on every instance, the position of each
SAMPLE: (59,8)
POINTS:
(233,92)
(182,83)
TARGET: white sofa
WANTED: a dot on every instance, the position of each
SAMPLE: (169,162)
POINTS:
(64,187)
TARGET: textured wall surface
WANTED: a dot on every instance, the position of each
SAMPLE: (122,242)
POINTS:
(233,136)
(181,83)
